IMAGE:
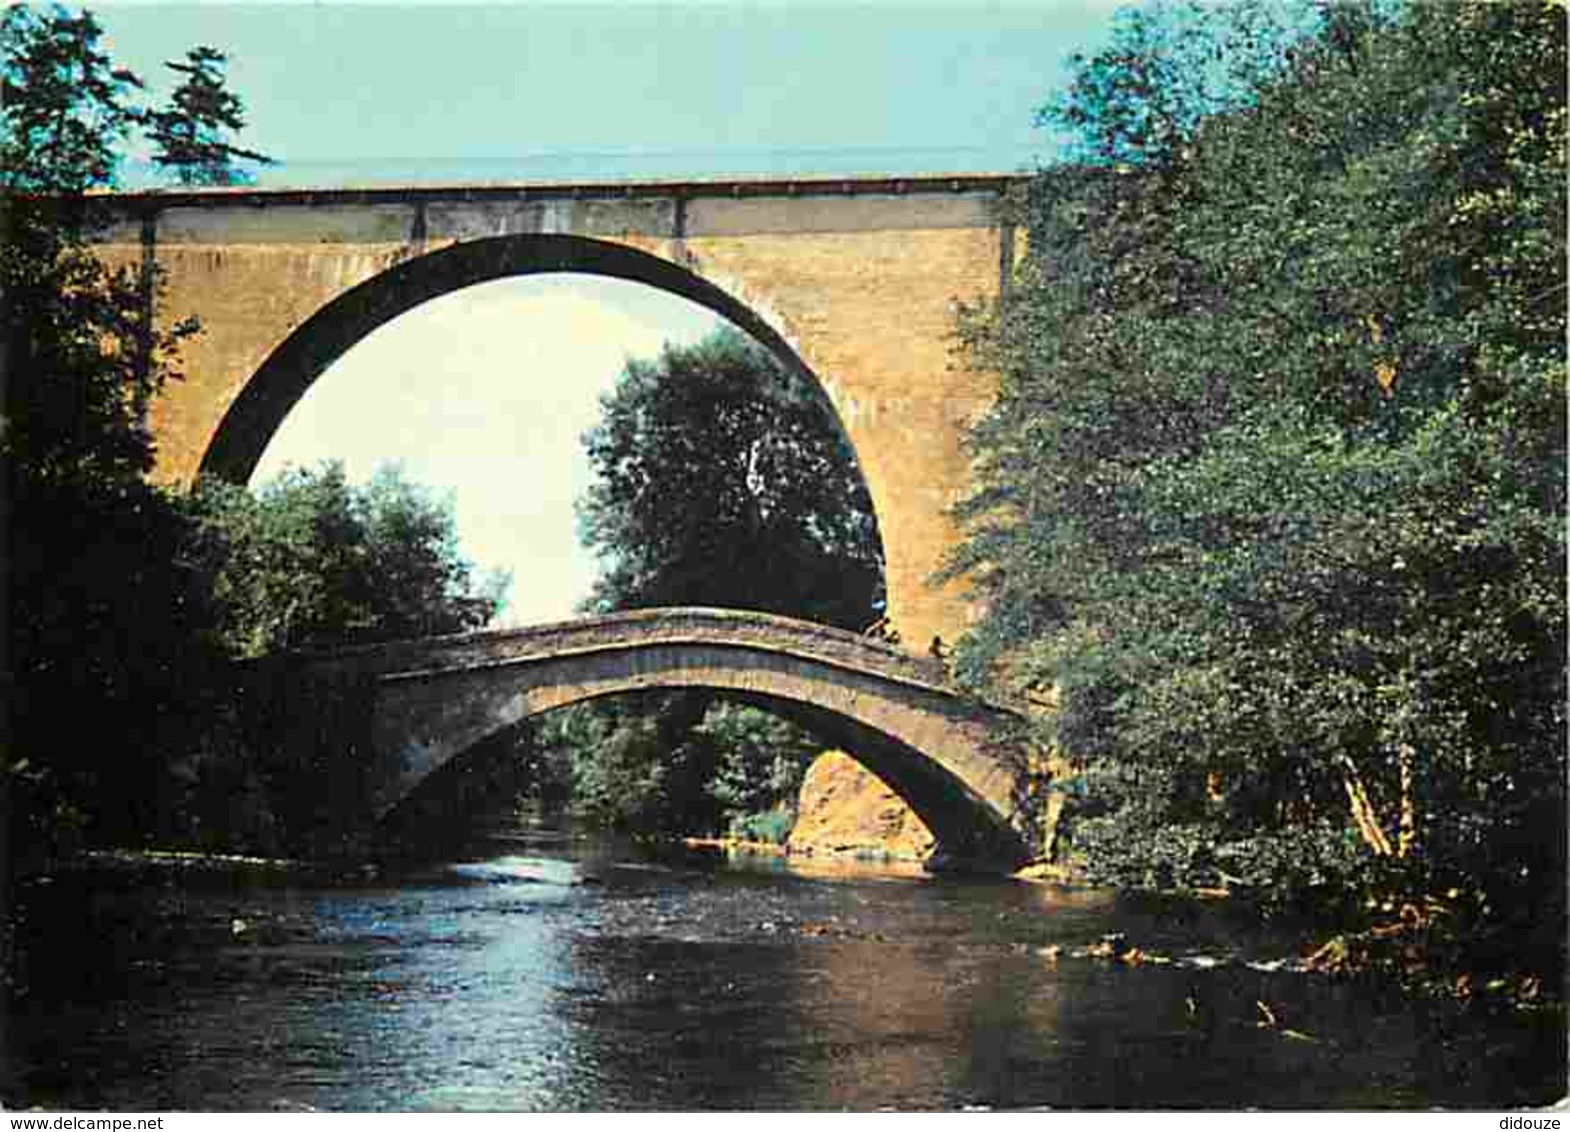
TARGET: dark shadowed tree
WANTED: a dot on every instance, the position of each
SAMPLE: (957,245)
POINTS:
(193,132)
(720,480)
(115,632)
(1273,493)
(104,621)
(62,101)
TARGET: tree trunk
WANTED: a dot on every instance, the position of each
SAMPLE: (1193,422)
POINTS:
(1406,833)
(1363,810)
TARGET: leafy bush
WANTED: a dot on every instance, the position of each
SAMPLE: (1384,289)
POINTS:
(771,827)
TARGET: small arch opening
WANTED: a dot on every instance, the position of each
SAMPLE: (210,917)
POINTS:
(480,788)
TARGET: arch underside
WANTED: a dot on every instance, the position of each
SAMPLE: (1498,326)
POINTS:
(933,753)
(251,420)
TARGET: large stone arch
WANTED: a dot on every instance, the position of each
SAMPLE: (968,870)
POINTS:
(256,414)
(858,275)
(429,703)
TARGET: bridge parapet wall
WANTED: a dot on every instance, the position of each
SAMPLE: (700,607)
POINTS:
(688,625)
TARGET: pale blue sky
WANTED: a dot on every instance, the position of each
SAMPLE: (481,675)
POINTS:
(371,93)
(379,92)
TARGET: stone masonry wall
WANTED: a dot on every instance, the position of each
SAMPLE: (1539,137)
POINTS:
(859,277)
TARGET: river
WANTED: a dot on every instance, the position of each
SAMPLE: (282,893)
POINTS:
(552,973)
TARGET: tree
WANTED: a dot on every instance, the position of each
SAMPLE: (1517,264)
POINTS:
(1273,494)
(104,620)
(123,601)
(645,765)
(310,559)
(80,363)
(633,769)
(1139,101)
(720,481)
(192,132)
(761,762)
(62,103)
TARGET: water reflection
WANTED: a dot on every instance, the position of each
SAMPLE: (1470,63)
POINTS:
(584,978)
(454,1010)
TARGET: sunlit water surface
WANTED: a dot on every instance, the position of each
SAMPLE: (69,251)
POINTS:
(571,975)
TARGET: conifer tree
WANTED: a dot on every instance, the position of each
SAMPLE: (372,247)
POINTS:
(193,132)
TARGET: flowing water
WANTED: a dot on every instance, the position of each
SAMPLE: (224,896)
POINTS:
(561,974)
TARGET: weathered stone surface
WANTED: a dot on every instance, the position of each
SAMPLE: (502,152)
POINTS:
(852,280)
(844,808)
(433,701)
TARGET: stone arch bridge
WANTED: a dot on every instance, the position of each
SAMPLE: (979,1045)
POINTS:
(406,711)
(852,282)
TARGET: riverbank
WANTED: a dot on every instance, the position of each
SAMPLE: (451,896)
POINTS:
(1413,948)
(127,867)
(745,848)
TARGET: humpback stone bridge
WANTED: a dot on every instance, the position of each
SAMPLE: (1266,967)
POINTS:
(850,281)
(407,710)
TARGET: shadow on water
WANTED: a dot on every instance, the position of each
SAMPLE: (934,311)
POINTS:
(546,970)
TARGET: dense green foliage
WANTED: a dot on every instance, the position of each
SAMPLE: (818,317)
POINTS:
(1273,496)
(306,560)
(676,765)
(720,481)
(311,558)
(125,603)
(103,621)
(1168,68)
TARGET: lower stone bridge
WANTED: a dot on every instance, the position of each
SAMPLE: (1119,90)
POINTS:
(404,711)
